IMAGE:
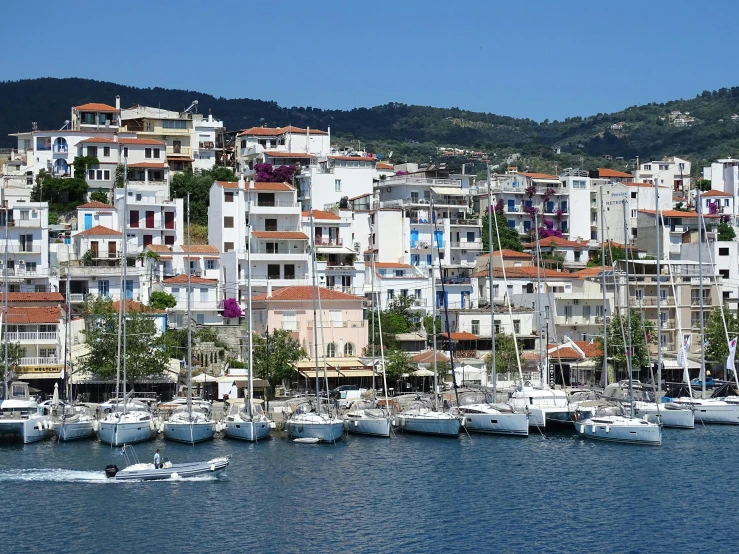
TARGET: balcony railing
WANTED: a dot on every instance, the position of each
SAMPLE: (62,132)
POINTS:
(179,151)
(53,360)
(323,241)
(470,222)
(272,203)
(697,302)
(31,336)
(25,223)
(338,324)
(474,245)
(456,280)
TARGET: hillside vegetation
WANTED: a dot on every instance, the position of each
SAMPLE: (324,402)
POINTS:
(413,132)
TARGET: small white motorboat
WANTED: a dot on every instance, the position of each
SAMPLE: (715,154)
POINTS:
(137,471)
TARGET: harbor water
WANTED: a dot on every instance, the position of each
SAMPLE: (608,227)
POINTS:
(553,493)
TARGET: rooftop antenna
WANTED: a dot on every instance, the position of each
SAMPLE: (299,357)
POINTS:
(66,125)
(192,107)
(34,126)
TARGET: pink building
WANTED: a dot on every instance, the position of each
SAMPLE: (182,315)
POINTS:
(291,308)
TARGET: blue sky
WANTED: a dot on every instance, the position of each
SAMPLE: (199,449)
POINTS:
(537,59)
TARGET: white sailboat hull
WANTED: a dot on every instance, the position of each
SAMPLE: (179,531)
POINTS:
(444,426)
(75,431)
(323,429)
(374,426)
(499,424)
(620,429)
(189,432)
(669,417)
(248,430)
(120,433)
(29,430)
(711,410)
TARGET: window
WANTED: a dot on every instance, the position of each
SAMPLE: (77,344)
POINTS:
(99,174)
(210,264)
(633,194)
(106,151)
(663,167)
(470,236)
(586,312)
(428,259)
(174,124)
(475,326)
(331,350)
(633,213)
(47,352)
(723,251)
(724,273)
(404,293)
(517,326)
(91,174)
(228,246)
(512,223)
(175,291)
(125,151)
(415,259)
(390,294)
(204,294)
(647,167)
(290,321)
(399,272)
(335,318)
(348,349)
(147,152)
(228,222)
(156,152)
(579,184)
(337,185)
(92,151)
(599,310)
(106,175)
(200,319)
(228,196)
(568,313)
(417,294)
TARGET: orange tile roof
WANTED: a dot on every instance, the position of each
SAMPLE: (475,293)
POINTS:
(464,335)
(427,357)
(95,107)
(525,273)
(33,297)
(677,213)
(182,280)
(133,306)
(275,131)
(200,249)
(605,172)
(644,185)
(42,314)
(541,176)
(123,140)
(556,242)
(295,235)
(228,184)
(320,214)
(508,253)
(276,154)
(567,352)
(714,192)
(147,165)
(159,248)
(392,265)
(304,292)
(590,272)
(94,204)
(292,129)
(98,231)
(270,187)
(381,165)
(354,158)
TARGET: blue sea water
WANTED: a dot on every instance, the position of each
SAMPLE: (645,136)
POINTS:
(553,493)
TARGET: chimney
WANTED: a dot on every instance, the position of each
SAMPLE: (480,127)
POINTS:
(269,288)
(115,137)
(242,184)
(251,182)
(117,102)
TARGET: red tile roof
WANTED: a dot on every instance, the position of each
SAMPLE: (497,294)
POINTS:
(392,265)
(567,352)
(605,172)
(677,213)
(508,253)
(94,204)
(320,214)
(590,272)
(147,165)
(95,107)
(133,306)
(257,186)
(304,292)
(159,248)
(276,154)
(541,176)
(714,192)
(275,131)
(42,314)
(182,280)
(33,297)
(556,242)
(99,230)
(295,235)
(200,249)
(354,158)
(530,272)
(459,336)
(381,165)
(123,140)
(644,185)
(427,357)
(228,184)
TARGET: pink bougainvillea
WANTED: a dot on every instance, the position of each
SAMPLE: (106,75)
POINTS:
(549,193)
(231,308)
(712,208)
(546,233)
(558,215)
(530,190)
(500,207)
(266,173)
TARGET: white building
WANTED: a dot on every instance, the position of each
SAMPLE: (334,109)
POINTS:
(252,143)
(28,248)
(326,180)
(393,279)
(206,300)
(150,218)
(671,172)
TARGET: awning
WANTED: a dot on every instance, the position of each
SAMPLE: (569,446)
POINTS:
(673,364)
(541,180)
(204,378)
(335,250)
(449,191)
(423,373)
(334,373)
(41,375)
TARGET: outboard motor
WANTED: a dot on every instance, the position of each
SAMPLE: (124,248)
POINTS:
(111,470)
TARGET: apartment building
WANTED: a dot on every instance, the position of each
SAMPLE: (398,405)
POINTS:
(205,295)
(724,175)
(326,180)
(560,252)
(672,172)
(28,267)
(394,279)
(150,218)
(40,332)
(253,143)
(641,196)
(679,227)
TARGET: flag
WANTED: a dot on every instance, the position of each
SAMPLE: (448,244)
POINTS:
(732,353)
(682,357)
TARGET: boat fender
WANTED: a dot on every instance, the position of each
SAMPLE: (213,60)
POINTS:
(575,416)
(212,467)
(608,428)
(95,425)
(175,475)
(52,425)
(582,429)
(356,424)
(151,425)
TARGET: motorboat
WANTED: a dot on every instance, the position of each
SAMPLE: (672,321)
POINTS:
(419,416)
(22,417)
(719,410)
(77,421)
(607,421)
(482,415)
(668,414)
(365,418)
(238,424)
(306,422)
(138,471)
(127,423)
(190,425)
(545,406)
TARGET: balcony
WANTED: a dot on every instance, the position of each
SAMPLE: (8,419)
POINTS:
(277,206)
(474,245)
(179,151)
(25,223)
(697,302)
(31,337)
(325,241)
(455,280)
(338,324)
(207,145)
(33,248)
(53,360)
(77,297)
(92,272)
(466,222)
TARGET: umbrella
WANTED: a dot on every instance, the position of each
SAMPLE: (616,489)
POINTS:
(55,398)
(423,373)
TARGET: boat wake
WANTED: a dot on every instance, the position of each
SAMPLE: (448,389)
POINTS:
(75,476)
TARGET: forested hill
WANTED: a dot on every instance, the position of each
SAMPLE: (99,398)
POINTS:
(645,131)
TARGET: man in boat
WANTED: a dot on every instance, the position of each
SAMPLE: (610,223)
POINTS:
(158,460)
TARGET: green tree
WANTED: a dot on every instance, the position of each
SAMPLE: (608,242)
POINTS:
(717,349)
(397,362)
(401,305)
(53,219)
(120,176)
(15,353)
(725,232)
(432,325)
(616,347)
(145,350)
(199,188)
(275,356)
(505,354)
(509,238)
(161,300)
(703,184)
(99,196)
(613,253)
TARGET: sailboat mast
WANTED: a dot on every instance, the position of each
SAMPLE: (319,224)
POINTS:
(700,290)
(382,347)
(493,368)
(659,299)
(189,316)
(251,322)
(315,312)
(628,313)
(603,286)
(7,313)
(374,307)
(68,337)
(537,253)
(123,279)
(433,303)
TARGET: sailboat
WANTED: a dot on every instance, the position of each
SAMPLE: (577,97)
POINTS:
(423,416)
(190,423)
(608,421)
(312,424)
(481,412)
(129,421)
(248,420)
(364,417)
(77,420)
